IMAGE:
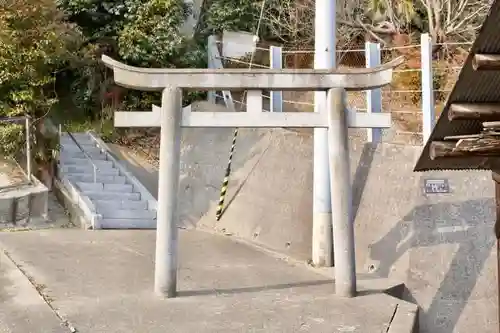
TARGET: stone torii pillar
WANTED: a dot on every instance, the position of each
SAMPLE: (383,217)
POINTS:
(171,117)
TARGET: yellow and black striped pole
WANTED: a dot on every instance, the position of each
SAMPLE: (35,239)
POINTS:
(225,182)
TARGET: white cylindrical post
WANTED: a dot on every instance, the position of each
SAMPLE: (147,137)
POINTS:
(428,115)
(340,184)
(28,148)
(166,228)
(324,58)
(212,42)
(374,96)
(276,62)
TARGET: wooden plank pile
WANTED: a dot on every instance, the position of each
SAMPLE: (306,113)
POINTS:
(485,143)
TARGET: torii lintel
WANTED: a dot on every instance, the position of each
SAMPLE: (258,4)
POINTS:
(156,79)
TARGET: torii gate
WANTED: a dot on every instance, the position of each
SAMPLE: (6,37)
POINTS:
(171,117)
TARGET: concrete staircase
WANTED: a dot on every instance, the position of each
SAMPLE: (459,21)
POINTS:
(112,198)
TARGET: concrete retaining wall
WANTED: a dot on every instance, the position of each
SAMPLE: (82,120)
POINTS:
(269,200)
(81,210)
(19,206)
(440,245)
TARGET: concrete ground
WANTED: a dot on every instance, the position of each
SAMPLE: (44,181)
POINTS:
(79,281)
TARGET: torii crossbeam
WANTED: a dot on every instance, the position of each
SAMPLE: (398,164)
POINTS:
(171,117)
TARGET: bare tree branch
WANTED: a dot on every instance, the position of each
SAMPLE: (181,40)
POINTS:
(292,21)
(449,19)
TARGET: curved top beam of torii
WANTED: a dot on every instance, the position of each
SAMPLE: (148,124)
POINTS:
(156,79)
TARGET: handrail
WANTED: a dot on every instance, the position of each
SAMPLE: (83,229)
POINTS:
(87,156)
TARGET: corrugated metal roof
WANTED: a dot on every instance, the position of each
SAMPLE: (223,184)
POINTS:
(471,87)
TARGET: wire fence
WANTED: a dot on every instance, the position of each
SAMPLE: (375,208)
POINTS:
(402,98)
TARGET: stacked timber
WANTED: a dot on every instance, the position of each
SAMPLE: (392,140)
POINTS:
(485,143)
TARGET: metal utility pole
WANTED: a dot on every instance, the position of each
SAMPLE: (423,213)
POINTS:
(324,58)
(333,232)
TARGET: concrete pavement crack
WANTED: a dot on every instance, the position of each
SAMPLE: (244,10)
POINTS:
(40,290)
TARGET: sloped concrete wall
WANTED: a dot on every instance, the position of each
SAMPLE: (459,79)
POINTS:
(440,245)
(270,184)
(270,194)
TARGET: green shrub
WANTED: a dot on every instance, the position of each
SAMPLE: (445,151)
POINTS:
(35,42)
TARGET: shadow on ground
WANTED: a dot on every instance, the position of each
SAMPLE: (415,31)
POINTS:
(468,227)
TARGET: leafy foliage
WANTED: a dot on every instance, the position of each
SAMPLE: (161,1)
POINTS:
(98,19)
(146,33)
(11,138)
(233,15)
(35,42)
(151,35)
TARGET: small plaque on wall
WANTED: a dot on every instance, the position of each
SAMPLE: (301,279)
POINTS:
(436,186)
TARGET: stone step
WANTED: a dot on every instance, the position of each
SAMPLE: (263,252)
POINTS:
(84,161)
(73,149)
(77,135)
(96,187)
(65,155)
(121,204)
(90,186)
(112,195)
(66,141)
(118,188)
(89,169)
(127,214)
(84,178)
(128,224)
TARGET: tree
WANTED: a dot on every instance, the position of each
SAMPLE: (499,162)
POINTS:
(99,20)
(231,15)
(445,20)
(151,35)
(145,33)
(292,21)
(458,20)
(35,42)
